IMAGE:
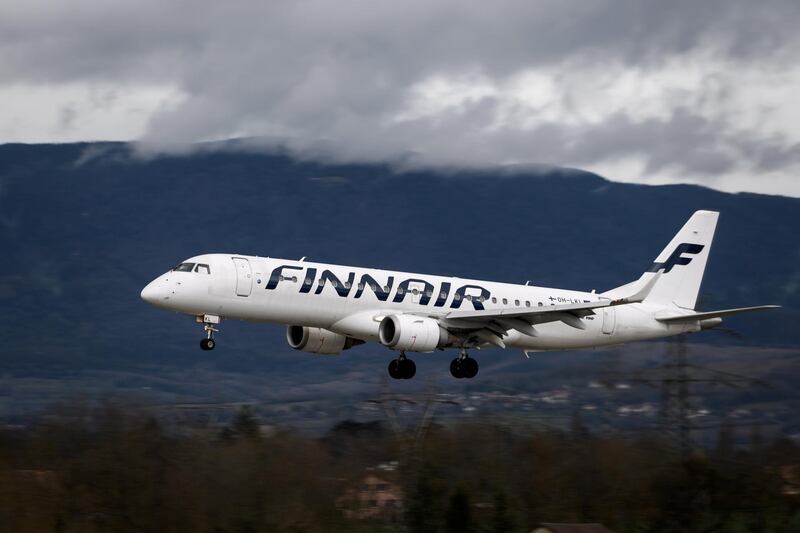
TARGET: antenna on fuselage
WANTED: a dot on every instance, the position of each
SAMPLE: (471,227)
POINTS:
(302,259)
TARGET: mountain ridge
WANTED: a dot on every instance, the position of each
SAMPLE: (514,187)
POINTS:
(85,226)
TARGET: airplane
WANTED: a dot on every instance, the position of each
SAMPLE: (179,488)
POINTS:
(331,308)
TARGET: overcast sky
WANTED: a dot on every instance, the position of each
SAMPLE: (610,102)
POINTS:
(640,91)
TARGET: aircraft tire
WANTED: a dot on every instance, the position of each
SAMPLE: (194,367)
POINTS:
(469,367)
(408,368)
(394,369)
(207,344)
(456,368)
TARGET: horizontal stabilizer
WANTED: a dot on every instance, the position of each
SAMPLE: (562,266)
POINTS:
(714,314)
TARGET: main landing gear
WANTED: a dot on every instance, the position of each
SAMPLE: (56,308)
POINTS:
(464,366)
(209,325)
(402,367)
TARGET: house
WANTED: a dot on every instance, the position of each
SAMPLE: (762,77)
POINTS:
(373,498)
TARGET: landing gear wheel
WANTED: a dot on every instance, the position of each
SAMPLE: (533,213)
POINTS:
(456,368)
(469,368)
(207,344)
(407,368)
(402,367)
(210,323)
(394,369)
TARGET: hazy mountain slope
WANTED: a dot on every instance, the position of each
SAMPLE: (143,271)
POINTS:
(84,226)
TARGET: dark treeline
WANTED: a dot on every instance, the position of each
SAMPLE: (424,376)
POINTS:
(110,468)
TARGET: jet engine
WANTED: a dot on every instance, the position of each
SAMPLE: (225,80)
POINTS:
(318,340)
(412,333)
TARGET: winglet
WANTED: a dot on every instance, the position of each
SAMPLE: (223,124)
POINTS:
(641,294)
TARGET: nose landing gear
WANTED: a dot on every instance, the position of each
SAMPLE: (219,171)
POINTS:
(402,367)
(209,326)
(464,366)
(208,344)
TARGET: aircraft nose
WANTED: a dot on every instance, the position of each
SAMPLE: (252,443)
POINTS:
(153,292)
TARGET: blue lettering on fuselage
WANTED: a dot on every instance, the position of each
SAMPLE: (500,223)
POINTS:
(311,273)
(277,275)
(343,289)
(402,290)
(477,300)
(443,294)
(381,291)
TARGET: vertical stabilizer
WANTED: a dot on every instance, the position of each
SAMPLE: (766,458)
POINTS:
(683,262)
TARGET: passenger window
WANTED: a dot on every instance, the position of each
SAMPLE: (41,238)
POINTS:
(361,286)
(373,286)
(184,267)
(442,295)
(414,292)
(385,288)
(429,293)
(457,297)
(468,297)
(505,301)
(400,291)
(335,283)
(540,304)
(516,302)
(347,285)
(527,303)
(202,269)
(494,299)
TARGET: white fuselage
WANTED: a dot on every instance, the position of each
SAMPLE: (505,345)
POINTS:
(352,301)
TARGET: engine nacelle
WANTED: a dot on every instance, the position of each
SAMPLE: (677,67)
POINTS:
(318,340)
(412,333)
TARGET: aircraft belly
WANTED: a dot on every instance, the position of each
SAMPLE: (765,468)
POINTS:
(632,323)
(362,325)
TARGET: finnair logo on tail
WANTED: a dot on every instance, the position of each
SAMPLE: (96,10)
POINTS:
(677,257)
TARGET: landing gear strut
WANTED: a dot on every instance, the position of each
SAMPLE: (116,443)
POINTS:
(209,325)
(402,367)
(464,366)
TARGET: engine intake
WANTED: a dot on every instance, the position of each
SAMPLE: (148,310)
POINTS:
(318,340)
(412,333)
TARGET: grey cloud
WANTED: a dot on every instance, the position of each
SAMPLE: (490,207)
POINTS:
(328,77)
(67,117)
(94,38)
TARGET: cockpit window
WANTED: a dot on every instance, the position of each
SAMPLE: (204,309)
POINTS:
(203,269)
(184,267)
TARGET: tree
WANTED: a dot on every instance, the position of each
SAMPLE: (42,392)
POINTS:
(501,521)
(457,518)
(245,424)
(420,511)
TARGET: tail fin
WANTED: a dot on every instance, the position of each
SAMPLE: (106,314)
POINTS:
(683,262)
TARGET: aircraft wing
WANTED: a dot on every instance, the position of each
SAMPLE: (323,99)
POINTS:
(492,325)
(714,314)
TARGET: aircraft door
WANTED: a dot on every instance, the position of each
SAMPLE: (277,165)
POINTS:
(609,320)
(244,276)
